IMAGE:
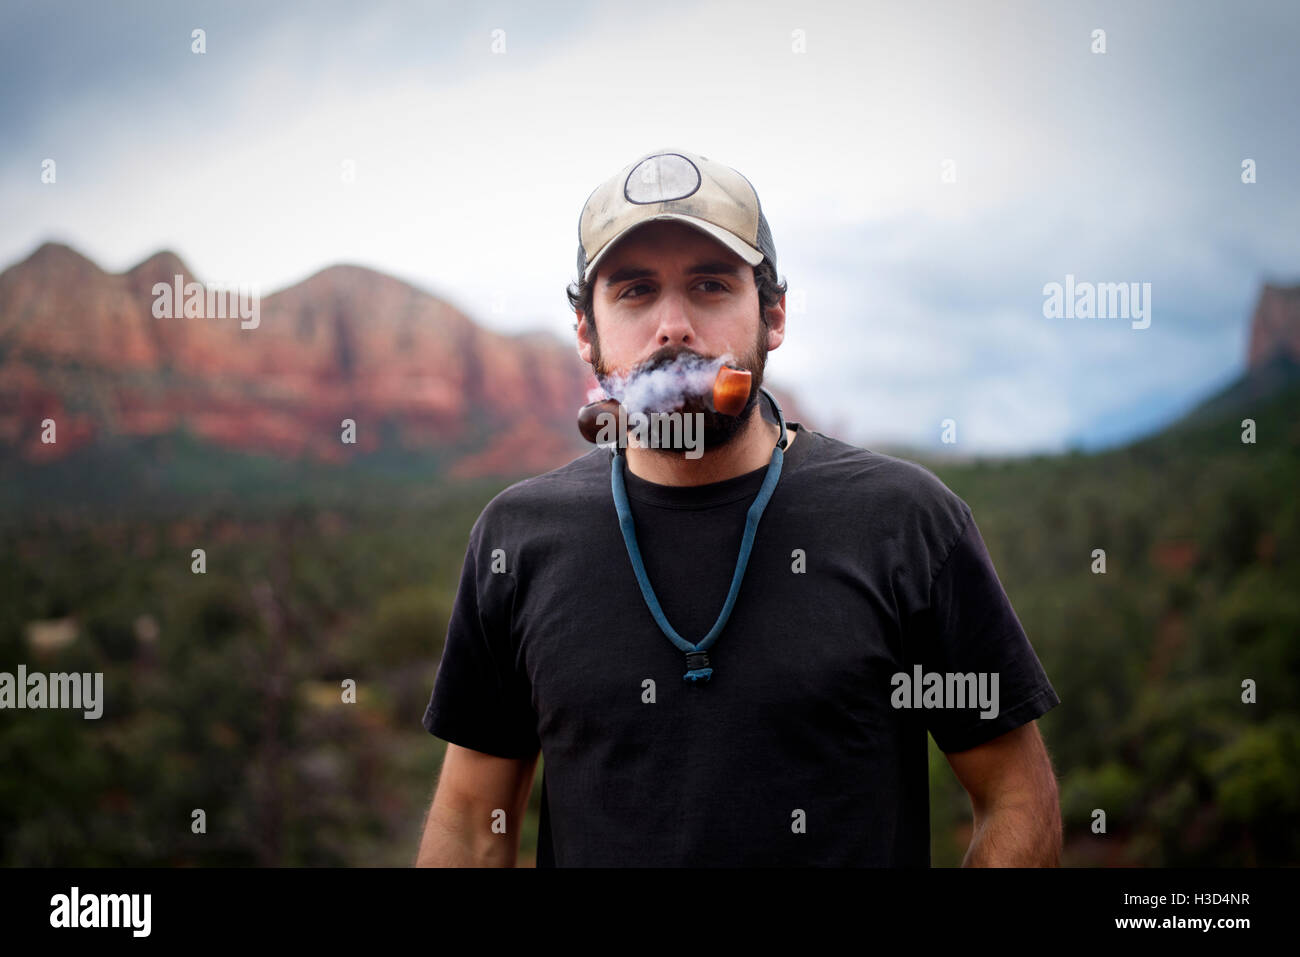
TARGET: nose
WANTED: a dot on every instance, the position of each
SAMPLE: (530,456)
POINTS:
(675,327)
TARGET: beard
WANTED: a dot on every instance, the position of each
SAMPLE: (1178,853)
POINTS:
(718,429)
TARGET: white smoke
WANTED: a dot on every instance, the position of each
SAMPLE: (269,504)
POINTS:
(665,388)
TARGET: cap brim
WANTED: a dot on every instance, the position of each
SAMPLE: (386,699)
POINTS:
(737,245)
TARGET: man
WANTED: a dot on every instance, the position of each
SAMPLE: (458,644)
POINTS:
(868,612)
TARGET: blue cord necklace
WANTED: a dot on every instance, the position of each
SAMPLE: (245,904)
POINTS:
(698,668)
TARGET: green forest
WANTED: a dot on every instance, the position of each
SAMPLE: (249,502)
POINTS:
(223,690)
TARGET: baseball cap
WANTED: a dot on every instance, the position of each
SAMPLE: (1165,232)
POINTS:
(681,185)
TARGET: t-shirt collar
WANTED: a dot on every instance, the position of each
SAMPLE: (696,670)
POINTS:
(712,494)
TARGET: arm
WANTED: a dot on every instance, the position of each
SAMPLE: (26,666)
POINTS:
(471,786)
(1013,794)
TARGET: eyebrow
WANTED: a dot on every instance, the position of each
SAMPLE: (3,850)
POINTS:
(718,268)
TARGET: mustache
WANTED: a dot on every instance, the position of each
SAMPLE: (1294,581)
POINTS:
(666,355)
(729,398)
(667,379)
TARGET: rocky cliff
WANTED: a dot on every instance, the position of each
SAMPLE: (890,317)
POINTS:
(110,356)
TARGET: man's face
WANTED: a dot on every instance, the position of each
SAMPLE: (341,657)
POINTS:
(668,289)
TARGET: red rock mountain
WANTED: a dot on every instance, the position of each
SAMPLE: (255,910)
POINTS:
(1275,327)
(83,347)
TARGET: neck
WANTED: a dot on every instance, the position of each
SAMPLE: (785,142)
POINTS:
(748,450)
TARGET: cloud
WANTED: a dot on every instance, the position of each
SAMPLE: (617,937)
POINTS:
(922,298)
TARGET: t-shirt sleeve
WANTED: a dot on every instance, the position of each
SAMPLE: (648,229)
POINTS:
(481,695)
(970,629)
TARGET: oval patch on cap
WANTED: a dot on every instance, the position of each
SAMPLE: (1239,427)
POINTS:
(658,179)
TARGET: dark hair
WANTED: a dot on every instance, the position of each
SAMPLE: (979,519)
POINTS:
(770,291)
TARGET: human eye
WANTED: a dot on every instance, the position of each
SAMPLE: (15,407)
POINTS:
(721,286)
(631,289)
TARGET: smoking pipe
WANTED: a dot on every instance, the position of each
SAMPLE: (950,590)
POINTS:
(730,393)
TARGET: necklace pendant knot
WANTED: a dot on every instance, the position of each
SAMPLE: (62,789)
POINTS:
(698,664)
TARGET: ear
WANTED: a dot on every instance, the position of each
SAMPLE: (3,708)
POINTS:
(776,324)
(584,339)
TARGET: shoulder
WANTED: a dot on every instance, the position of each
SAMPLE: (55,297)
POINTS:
(893,490)
(904,520)
(554,497)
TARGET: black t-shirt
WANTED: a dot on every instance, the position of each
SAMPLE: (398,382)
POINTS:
(864,566)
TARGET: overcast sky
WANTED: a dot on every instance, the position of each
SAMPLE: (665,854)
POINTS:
(913,300)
